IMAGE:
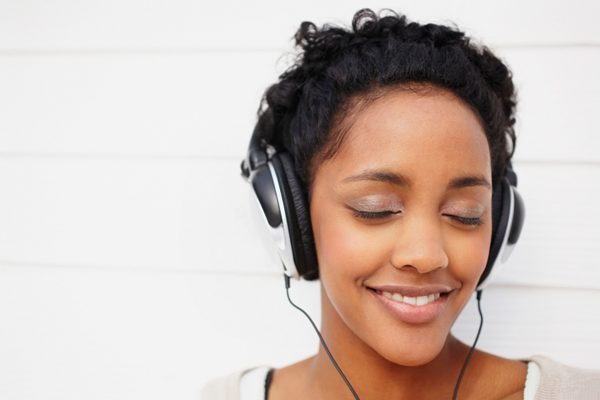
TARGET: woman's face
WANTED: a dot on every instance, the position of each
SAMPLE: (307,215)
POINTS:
(401,215)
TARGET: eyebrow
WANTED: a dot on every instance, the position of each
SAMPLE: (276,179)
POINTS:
(401,180)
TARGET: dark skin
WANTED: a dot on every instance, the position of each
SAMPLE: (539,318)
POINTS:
(419,230)
(308,380)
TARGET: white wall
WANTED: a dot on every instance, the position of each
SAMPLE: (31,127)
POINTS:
(129,265)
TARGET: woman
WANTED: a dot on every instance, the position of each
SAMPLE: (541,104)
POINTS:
(382,161)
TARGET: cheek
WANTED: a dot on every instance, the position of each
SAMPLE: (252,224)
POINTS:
(343,249)
(468,254)
(337,246)
(346,249)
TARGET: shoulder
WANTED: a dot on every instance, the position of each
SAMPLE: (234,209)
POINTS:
(558,380)
(495,377)
(240,385)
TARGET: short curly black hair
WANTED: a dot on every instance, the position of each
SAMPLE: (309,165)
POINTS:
(338,68)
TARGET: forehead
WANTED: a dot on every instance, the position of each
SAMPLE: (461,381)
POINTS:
(430,130)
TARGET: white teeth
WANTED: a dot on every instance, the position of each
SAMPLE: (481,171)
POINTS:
(410,300)
(415,301)
(421,300)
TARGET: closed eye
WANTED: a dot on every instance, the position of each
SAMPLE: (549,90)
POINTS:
(471,221)
(374,214)
(474,221)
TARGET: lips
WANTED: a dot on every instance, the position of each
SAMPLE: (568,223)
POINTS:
(412,291)
(412,304)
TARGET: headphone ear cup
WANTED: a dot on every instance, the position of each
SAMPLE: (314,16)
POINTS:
(501,204)
(518,218)
(297,213)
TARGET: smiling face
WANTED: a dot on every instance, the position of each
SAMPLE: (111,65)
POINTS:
(400,215)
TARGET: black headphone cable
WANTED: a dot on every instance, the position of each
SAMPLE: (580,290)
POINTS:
(325,347)
(470,353)
(339,369)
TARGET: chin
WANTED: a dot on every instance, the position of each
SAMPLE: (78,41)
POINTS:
(410,353)
(415,360)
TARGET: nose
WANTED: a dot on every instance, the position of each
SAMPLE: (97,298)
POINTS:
(420,245)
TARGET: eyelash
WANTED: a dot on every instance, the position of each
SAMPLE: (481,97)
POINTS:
(374,214)
(473,221)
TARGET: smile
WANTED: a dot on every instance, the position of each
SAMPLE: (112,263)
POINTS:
(411,309)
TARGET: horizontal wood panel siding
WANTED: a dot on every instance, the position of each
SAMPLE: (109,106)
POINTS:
(197,215)
(204,104)
(138,24)
(98,334)
(131,263)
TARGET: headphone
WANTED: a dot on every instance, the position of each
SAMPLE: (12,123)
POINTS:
(283,202)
